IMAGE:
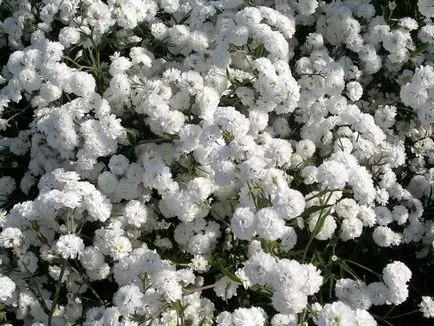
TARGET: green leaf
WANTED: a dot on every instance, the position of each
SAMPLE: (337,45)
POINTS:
(228,75)
(419,49)
(263,202)
(228,273)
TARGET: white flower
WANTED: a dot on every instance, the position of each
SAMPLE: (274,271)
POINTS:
(244,223)
(289,203)
(127,299)
(281,126)
(354,91)
(363,187)
(337,314)
(288,300)
(347,208)
(200,264)
(284,320)
(107,182)
(413,95)
(199,188)
(385,116)
(383,236)
(307,7)
(309,173)
(119,64)
(258,268)
(120,247)
(179,34)
(426,7)
(351,228)
(353,293)
(166,282)
(98,206)
(159,30)
(232,121)
(424,76)
(111,126)
(279,150)
(426,33)
(225,288)
(7,287)
(379,293)
(136,213)
(328,228)
(332,175)
(140,55)
(82,84)
(7,186)
(288,239)
(69,246)
(69,35)
(314,279)
(243,278)
(365,318)
(224,319)
(253,316)
(396,274)
(118,164)
(396,40)
(270,226)
(55,272)
(397,295)
(400,214)
(192,81)
(207,100)
(306,148)
(427,306)
(288,273)
(92,258)
(29,79)
(248,16)
(11,237)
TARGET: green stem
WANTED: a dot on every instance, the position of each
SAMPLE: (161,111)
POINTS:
(401,315)
(192,290)
(319,194)
(383,320)
(56,294)
(348,269)
(81,67)
(89,285)
(318,226)
(361,266)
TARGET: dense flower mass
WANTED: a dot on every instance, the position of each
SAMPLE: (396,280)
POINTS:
(228,162)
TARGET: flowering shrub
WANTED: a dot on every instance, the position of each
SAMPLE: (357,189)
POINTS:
(229,162)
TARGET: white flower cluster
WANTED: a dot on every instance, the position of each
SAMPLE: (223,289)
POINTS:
(427,307)
(393,289)
(292,282)
(338,313)
(162,148)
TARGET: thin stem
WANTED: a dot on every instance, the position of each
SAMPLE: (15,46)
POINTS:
(56,294)
(401,315)
(206,287)
(318,226)
(315,231)
(389,311)
(348,269)
(383,320)
(319,194)
(361,266)
(89,285)
(77,64)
